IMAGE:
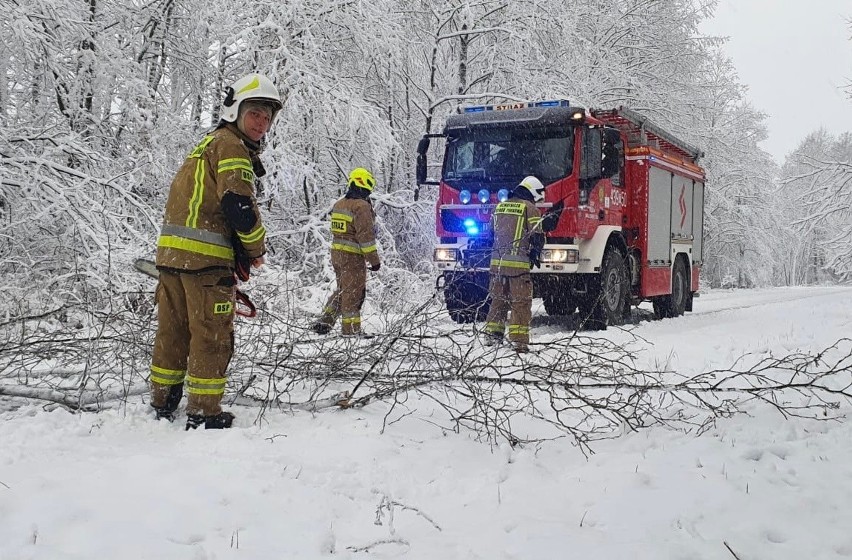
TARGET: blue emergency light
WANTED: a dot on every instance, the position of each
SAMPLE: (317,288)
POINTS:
(552,103)
(471,226)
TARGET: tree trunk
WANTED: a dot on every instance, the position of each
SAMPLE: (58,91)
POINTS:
(464,43)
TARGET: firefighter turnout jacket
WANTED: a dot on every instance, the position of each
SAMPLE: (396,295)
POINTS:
(516,223)
(212,201)
(353,229)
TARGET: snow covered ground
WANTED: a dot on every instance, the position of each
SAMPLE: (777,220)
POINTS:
(354,484)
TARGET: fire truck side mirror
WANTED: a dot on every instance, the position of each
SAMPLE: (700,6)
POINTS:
(422,148)
(423,161)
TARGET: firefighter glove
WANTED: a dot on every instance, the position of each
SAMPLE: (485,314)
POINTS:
(536,246)
(535,258)
(242,262)
(375,267)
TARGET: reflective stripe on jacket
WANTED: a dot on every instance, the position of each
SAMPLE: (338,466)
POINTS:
(195,234)
(353,228)
(514,222)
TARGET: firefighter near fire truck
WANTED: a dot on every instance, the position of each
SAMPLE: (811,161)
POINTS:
(518,241)
(632,200)
(353,246)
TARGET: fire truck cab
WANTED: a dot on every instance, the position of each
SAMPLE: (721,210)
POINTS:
(631,197)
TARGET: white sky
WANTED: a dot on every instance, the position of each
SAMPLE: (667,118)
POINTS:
(792,54)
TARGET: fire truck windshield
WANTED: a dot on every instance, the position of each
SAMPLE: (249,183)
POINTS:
(499,158)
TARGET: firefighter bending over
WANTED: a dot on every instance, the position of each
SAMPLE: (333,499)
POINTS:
(518,241)
(353,244)
(211,215)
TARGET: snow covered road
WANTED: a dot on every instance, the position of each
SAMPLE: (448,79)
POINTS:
(357,484)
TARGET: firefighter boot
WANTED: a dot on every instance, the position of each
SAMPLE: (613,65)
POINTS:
(167,411)
(493,339)
(216,422)
(326,321)
(321,328)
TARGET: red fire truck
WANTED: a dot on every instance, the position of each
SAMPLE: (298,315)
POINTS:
(632,223)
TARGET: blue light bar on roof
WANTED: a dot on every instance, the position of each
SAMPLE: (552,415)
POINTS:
(553,103)
(516,105)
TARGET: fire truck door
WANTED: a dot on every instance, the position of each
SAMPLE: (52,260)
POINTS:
(659,217)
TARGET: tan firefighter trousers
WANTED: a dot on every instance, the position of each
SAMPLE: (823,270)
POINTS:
(195,338)
(348,297)
(510,293)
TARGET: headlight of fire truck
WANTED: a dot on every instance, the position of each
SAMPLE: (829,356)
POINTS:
(568,256)
(503,195)
(465,196)
(446,255)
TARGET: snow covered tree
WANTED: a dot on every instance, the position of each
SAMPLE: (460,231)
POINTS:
(741,228)
(817,179)
(100,100)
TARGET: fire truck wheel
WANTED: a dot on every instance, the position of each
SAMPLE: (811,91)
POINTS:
(674,304)
(680,289)
(609,298)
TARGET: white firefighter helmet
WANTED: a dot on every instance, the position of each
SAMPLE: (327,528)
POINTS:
(535,187)
(256,87)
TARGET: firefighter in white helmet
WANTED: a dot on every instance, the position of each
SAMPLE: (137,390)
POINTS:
(212,234)
(518,240)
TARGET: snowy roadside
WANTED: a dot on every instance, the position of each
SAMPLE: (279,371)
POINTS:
(381,483)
